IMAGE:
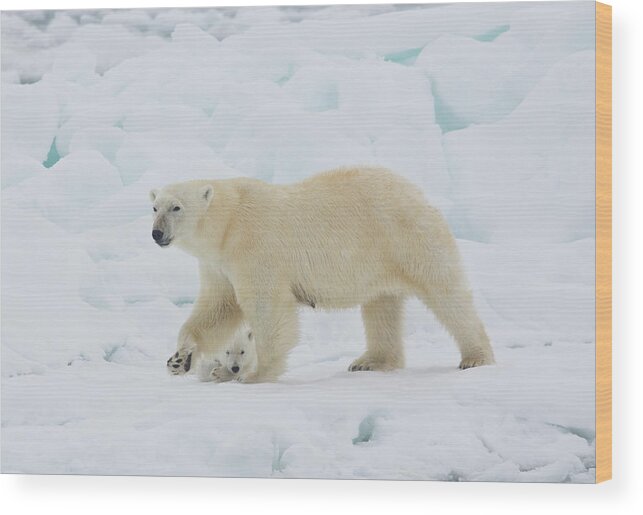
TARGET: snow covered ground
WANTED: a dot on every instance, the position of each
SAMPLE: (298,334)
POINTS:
(488,107)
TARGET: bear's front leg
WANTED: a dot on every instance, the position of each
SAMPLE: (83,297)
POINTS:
(274,322)
(214,319)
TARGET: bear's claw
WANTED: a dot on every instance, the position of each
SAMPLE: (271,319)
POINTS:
(179,363)
(368,364)
(477,361)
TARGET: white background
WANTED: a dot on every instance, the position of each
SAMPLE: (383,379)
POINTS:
(102,495)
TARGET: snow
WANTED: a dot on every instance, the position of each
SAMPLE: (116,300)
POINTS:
(538,190)
(488,108)
(478,82)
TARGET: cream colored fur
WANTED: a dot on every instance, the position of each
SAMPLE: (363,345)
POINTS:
(349,237)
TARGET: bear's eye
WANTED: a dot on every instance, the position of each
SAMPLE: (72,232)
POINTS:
(243,351)
(227,352)
(176,208)
(155,210)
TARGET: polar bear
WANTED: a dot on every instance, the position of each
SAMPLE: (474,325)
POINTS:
(238,360)
(347,237)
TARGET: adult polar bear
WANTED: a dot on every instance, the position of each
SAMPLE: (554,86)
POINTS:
(347,237)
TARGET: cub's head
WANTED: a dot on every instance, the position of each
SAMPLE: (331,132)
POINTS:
(177,209)
(241,356)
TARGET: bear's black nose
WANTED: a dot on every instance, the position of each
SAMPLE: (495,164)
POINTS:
(235,369)
(157,235)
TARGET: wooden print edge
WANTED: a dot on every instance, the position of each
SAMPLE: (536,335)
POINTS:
(603,242)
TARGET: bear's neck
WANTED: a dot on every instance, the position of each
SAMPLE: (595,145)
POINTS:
(207,244)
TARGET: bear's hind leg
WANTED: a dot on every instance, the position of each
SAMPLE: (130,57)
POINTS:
(454,308)
(383,324)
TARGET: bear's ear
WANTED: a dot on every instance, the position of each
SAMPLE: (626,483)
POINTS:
(249,335)
(207,193)
(153,195)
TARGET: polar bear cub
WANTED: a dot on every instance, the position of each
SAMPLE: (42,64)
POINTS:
(236,361)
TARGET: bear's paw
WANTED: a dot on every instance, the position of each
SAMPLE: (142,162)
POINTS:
(368,363)
(219,373)
(476,361)
(179,363)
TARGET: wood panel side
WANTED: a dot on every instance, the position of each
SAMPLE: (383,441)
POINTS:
(603,242)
